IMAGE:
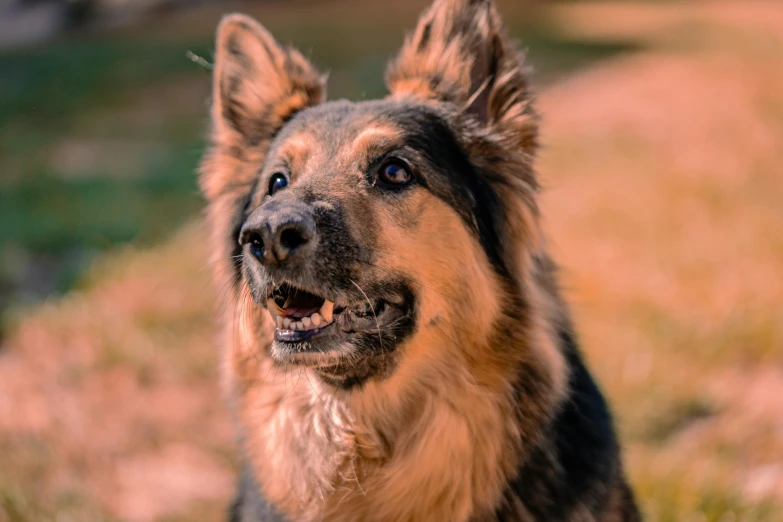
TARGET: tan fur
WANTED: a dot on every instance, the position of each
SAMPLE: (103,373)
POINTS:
(445,418)
(228,170)
(438,421)
(448,58)
(290,84)
(371,139)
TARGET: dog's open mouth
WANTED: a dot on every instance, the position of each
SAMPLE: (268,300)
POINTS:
(298,314)
(301,315)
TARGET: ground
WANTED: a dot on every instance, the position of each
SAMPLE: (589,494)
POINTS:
(661,170)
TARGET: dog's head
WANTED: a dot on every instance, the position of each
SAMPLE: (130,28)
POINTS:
(363,231)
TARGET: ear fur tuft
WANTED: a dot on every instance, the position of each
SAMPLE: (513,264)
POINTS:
(459,53)
(258,84)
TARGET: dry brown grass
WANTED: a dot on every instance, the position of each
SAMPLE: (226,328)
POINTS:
(663,199)
(664,204)
(110,402)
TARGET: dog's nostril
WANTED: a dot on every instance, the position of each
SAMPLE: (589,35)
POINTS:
(292,238)
(256,243)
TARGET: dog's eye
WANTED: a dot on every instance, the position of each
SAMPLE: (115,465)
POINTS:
(277,182)
(395,174)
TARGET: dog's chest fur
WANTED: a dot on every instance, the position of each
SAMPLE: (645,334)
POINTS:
(432,454)
(443,460)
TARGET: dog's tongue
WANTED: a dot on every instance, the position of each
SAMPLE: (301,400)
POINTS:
(300,312)
(298,303)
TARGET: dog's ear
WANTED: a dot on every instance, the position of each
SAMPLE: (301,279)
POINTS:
(459,53)
(258,83)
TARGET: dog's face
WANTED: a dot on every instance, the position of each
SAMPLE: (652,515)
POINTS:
(363,229)
(364,219)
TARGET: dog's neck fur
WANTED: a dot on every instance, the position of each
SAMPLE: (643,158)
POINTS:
(415,446)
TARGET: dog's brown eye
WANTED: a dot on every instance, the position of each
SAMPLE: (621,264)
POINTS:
(396,174)
(277,182)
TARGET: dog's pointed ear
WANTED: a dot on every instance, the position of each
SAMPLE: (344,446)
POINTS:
(258,84)
(459,53)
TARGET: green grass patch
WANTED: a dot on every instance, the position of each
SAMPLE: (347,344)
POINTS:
(89,90)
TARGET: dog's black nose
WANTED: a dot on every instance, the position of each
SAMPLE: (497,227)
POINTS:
(278,232)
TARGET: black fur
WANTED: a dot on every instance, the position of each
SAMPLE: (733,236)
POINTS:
(341,256)
(427,133)
(576,459)
(458,183)
(249,504)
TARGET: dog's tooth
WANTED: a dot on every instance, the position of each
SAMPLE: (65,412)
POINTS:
(286,322)
(326,311)
(279,322)
(299,325)
(316,319)
(306,322)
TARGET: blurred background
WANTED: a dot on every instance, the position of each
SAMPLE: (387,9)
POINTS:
(663,173)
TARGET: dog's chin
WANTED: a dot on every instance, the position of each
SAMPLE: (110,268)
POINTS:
(342,341)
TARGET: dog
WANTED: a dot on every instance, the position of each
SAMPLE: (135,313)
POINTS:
(395,344)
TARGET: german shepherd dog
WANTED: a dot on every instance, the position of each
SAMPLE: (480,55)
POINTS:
(396,348)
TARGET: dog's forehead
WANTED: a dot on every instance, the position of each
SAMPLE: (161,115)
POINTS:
(342,128)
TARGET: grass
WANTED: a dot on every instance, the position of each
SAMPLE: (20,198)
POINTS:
(661,167)
(127,385)
(81,174)
(662,215)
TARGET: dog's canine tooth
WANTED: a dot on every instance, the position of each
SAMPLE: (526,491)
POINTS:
(279,321)
(273,308)
(327,309)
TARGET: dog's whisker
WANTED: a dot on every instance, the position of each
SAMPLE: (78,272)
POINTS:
(221,260)
(380,339)
(401,274)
